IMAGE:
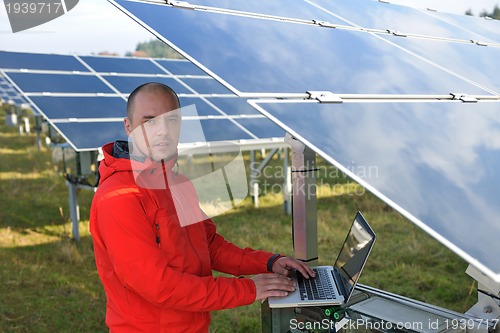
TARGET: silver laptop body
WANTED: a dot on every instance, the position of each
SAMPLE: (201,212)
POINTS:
(334,285)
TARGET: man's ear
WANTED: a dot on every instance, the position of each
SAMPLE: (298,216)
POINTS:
(127,125)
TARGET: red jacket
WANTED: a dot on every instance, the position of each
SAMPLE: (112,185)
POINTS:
(157,274)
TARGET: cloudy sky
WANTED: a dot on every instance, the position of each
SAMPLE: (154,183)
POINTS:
(96,25)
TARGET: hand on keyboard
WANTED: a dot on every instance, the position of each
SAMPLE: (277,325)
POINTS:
(268,285)
(283,266)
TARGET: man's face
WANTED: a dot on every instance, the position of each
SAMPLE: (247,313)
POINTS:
(155,125)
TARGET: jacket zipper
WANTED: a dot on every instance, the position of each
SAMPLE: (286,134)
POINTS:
(157,228)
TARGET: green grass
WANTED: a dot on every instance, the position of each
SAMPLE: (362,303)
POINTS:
(50,284)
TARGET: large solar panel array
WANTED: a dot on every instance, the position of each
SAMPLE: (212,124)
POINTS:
(411,95)
(84,97)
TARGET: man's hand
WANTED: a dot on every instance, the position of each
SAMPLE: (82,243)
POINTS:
(283,266)
(272,285)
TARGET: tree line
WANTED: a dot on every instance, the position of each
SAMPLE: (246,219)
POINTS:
(495,14)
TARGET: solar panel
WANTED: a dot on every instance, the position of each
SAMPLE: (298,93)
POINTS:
(261,127)
(202,107)
(80,107)
(488,29)
(478,64)
(394,82)
(206,86)
(233,106)
(435,162)
(87,106)
(126,84)
(267,56)
(121,65)
(381,16)
(180,67)
(90,135)
(9,94)
(54,62)
(59,83)
(294,9)
(213,130)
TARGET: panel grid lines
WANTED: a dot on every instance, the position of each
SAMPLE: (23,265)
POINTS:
(68,98)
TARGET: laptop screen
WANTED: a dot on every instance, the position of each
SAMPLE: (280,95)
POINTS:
(354,253)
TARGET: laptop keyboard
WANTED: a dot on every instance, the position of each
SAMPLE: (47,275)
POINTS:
(318,288)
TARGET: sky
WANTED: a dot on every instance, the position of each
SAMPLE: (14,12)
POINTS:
(95,26)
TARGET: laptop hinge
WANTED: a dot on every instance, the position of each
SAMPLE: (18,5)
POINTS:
(338,279)
(324,96)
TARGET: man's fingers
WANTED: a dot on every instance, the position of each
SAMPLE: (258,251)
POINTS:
(306,271)
(275,293)
(284,264)
(267,285)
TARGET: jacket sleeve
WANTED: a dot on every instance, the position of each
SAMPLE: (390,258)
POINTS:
(229,258)
(124,231)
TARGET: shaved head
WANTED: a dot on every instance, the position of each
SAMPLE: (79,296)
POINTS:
(150,87)
(153,121)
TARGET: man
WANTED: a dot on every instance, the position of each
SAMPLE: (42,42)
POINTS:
(157,271)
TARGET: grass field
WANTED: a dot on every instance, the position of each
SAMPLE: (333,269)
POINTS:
(49,283)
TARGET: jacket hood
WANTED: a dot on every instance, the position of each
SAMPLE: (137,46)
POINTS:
(148,173)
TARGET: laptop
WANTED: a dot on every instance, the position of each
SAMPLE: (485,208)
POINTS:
(333,285)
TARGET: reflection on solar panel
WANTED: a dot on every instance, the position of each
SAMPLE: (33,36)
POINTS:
(488,29)
(84,97)
(249,58)
(434,161)
(411,93)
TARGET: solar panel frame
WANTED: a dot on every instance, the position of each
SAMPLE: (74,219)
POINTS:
(238,64)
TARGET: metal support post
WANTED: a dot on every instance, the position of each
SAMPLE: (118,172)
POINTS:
(74,209)
(305,229)
(11,117)
(488,305)
(287,183)
(38,129)
(255,171)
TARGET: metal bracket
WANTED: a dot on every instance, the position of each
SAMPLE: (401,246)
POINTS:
(396,33)
(324,96)
(464,98)
(488,304)
(181,4)
(325,24)
(478,42)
